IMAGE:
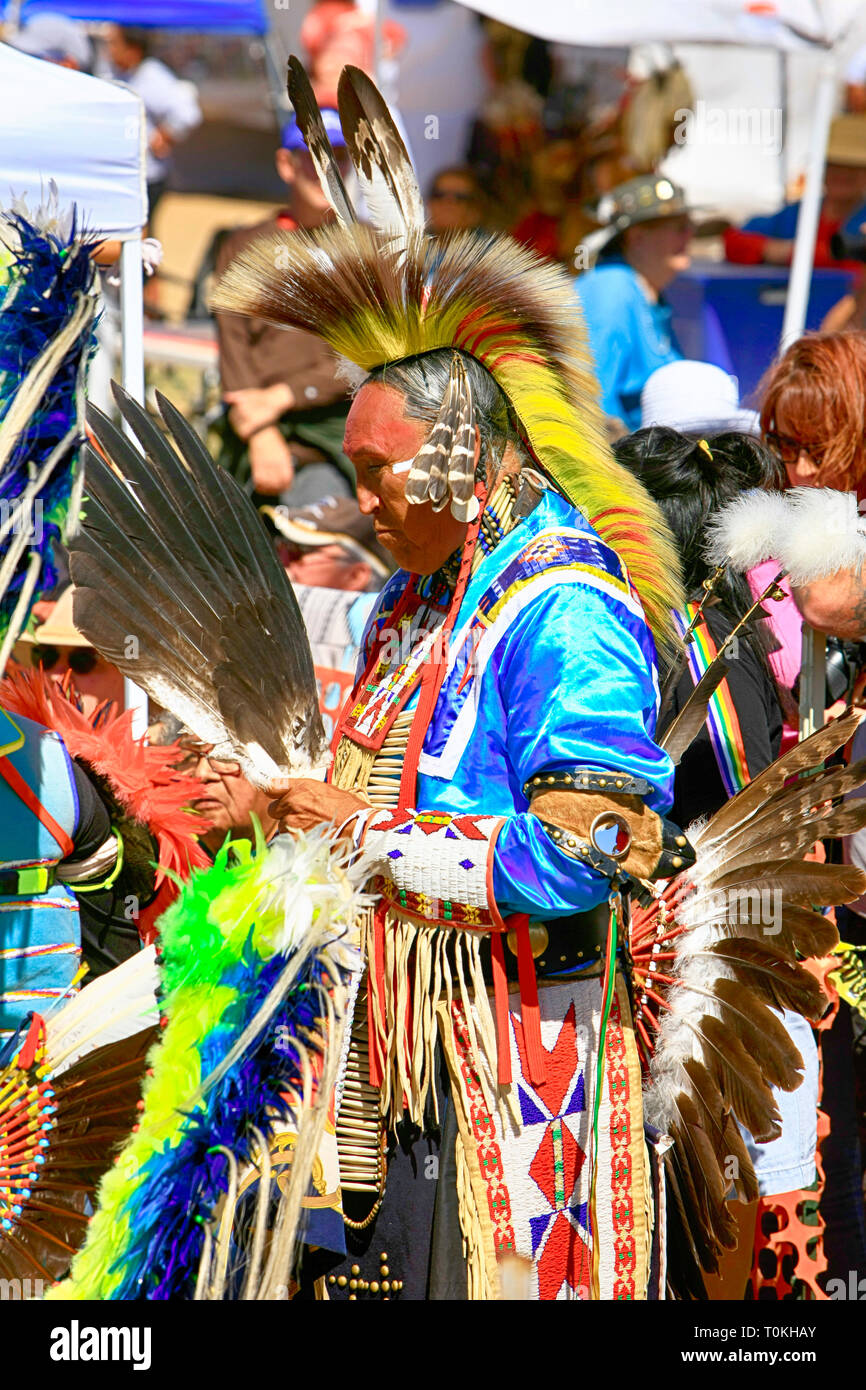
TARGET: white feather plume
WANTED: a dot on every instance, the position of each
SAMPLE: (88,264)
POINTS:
(824,534)
(114,1006)
(748,530)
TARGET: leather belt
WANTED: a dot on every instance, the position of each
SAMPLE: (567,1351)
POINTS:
(561,946)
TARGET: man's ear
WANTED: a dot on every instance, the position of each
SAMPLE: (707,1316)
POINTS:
(285,166)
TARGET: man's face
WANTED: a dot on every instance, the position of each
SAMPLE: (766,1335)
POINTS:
(660,248)
(380,434)
(323,566)
(843,184)
(121,55)
(454,204)
(228,800)
(297,170)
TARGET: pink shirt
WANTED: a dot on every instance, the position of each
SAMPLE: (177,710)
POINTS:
(785,621)
(786,626)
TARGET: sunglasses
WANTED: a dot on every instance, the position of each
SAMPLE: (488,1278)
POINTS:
(440,194)
(790,449)
(194,751)
(81,660)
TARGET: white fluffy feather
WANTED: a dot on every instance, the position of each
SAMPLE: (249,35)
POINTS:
(824,534)
(748,530)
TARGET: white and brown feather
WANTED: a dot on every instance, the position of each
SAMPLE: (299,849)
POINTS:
(312,127)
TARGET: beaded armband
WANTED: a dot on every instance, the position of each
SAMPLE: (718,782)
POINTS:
(437,867)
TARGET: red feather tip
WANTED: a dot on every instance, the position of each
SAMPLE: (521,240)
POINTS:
(142,777)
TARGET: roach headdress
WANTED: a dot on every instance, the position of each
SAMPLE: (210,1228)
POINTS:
(382,293)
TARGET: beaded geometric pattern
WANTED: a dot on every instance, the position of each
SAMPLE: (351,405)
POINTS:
(436,863)
(545,1165)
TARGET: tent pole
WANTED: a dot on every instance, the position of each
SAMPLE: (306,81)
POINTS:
(810,208)
(812,676)
(275,67)
(132,319)
(377,44)
(132,379)
(813,681)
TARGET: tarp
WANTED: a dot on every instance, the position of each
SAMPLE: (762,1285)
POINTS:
(203,16)
(86,135)
(784,24)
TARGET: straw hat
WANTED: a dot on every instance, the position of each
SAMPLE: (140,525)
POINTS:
(58,629)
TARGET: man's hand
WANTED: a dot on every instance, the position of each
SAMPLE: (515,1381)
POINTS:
(161,143)
(778,251)
(271,461)
(256,407)
(304,804)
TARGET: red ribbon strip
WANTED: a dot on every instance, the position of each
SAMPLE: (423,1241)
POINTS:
(35,1033)
(500,1005)
(536,1059)
(377,1061)
(13,777)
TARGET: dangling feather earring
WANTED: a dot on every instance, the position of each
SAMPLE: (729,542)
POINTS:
(444,467)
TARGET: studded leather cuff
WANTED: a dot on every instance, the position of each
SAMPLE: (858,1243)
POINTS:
(585,853)
(587,779)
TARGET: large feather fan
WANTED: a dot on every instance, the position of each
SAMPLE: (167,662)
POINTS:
(178,584)
(69,1087)
(715,955)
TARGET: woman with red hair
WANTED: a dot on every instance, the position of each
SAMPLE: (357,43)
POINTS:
(813,411)
(813,418)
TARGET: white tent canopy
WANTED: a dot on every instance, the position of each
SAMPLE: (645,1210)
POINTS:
(86,135)
(783,24)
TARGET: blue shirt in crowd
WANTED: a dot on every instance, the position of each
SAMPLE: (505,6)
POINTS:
(628,336)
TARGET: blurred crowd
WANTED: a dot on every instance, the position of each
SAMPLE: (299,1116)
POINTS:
(576,179)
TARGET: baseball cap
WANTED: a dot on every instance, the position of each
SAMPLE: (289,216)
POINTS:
(333,521)
(54,37)
(293,140)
